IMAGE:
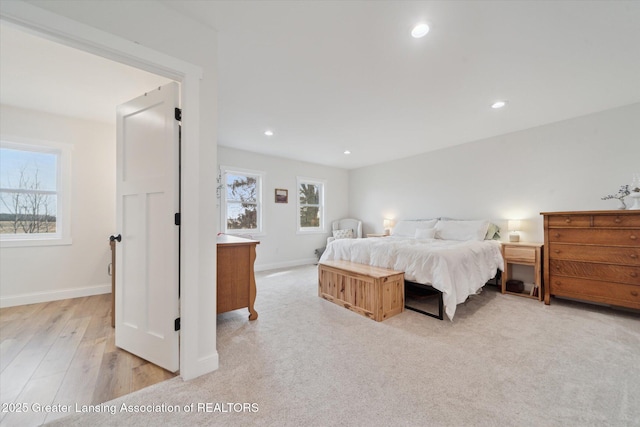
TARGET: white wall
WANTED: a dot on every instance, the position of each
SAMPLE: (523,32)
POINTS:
(280,246)
(563,166)
(36,274)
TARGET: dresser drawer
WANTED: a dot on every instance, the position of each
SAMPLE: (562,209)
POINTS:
(594,221)
(616,221)
(595,290)
(608,272)
(595,236)
(570,221)
(606,254)
(519,254)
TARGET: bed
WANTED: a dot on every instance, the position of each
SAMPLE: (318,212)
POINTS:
(457,258)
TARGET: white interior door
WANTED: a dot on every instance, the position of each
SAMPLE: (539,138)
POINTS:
(147,191)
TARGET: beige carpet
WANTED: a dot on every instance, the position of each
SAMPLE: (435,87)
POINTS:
(504,361)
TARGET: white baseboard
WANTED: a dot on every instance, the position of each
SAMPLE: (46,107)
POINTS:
(37,297)
(285,264)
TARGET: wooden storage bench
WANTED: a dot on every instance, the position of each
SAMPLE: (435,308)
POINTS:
(376,293)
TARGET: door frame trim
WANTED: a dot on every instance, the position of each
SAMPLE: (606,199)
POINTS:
(58,28)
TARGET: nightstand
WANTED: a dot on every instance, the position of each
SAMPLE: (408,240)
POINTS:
(523,254)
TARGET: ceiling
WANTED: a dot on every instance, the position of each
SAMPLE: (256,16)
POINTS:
(39,74)
(330,76)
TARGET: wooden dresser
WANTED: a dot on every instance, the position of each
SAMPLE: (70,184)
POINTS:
(593,256)
(235,277)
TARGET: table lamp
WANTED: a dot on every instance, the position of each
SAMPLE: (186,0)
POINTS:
(387,224)
(514,226)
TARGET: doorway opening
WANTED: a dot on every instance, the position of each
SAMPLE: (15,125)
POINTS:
(198,354)
(43,330)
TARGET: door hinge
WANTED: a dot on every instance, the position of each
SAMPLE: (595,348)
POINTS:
(176,324)
(178,114)
(176,218)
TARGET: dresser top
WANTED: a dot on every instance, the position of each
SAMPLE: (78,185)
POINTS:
(225,239)
(609,212)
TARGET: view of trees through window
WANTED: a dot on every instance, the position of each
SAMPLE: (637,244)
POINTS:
(28,193)
(309,205)
(242,201)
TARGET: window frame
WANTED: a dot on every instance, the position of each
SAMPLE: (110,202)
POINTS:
(62,236)
(323,185)
(260,177)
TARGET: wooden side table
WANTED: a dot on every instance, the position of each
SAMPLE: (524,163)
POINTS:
(523,253)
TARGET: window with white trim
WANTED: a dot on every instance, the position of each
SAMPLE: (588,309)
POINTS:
(35,186)
(241,201)
(310,205)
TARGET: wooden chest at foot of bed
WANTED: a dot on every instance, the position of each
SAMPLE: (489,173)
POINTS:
(376,293)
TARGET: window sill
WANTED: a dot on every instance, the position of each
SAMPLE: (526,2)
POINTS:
(246,235)
(29,243)
(311,232)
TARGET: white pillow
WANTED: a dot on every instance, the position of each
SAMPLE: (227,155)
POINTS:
(493,231)
(343,234)
(425,233)
(461,230)
(408,228)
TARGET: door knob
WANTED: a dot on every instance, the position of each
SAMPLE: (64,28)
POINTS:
(118,238)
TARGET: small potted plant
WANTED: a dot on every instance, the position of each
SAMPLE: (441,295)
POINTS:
(635,191)
(620,195)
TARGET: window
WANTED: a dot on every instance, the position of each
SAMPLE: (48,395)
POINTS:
(34,193)
(310,205)
(242,201)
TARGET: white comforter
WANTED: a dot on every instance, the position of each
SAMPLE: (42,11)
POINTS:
(457,269)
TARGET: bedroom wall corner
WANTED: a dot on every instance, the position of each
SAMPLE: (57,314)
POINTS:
(280,246)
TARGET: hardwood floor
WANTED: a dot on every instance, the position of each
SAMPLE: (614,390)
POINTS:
(63,352)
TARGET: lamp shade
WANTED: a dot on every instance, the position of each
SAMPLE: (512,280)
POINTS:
(514,225)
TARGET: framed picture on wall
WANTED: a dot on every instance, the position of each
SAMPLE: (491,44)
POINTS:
(282,195)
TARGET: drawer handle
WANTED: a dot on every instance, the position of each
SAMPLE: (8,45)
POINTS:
(617,220)
(634,293)
(632,237)
(557,235)
(557,251)
(633,274)
(633,256)
(568,220)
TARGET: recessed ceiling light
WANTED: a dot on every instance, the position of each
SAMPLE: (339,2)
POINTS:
(420,30)
(498,104)
(268,132)
(347,152)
